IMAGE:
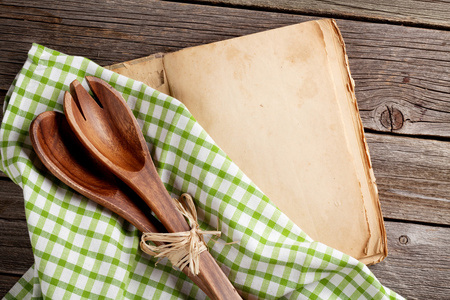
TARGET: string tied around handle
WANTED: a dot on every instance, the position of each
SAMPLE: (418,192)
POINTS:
(181,248)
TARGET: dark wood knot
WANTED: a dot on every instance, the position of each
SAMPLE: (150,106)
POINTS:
(403,239)
(392,118)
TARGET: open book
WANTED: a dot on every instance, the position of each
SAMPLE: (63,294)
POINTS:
(281,104)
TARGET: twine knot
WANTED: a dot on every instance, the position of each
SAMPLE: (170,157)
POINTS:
(181,248)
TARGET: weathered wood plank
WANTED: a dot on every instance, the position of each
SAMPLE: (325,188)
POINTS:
(15,246)
(402,196)
(3,175)
(2,101)
(6,283)
(418,263)
(407,12)
(16,260)
(413,177)
(402,83)
(11,201)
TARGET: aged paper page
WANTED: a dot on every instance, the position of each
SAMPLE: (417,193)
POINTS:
(149,70)
(270,103)
(376,246)
(291,110)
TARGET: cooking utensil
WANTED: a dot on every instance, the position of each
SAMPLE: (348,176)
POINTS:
(109,131)
(66,158)
(61,152)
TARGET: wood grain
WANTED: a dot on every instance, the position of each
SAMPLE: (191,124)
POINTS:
(7,282)
(402,86)
(16,260)
(11,201)
(15,247)
(418,263)
(2,100)
(407,12)
(413,177)
(402,83)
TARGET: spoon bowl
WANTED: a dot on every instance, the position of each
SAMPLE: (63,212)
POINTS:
(62,153)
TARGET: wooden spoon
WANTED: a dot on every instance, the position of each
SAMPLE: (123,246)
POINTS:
(66,158)
(61,152)
(109,130)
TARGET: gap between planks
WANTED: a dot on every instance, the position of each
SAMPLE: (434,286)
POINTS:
(402,83)
(412,175)
(418,13)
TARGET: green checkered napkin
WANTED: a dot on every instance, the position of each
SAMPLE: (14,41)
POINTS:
(83,251)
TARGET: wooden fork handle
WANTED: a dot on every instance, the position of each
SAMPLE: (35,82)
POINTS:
(148,185)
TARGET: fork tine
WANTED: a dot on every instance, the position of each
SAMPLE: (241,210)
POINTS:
(70,99)
(89,108)
(103,91)
(72,107)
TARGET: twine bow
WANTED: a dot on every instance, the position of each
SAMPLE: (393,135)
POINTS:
(181,248)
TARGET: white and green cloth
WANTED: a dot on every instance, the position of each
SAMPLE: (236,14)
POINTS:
(83,251)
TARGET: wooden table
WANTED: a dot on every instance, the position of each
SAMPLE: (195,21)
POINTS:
(399,54)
